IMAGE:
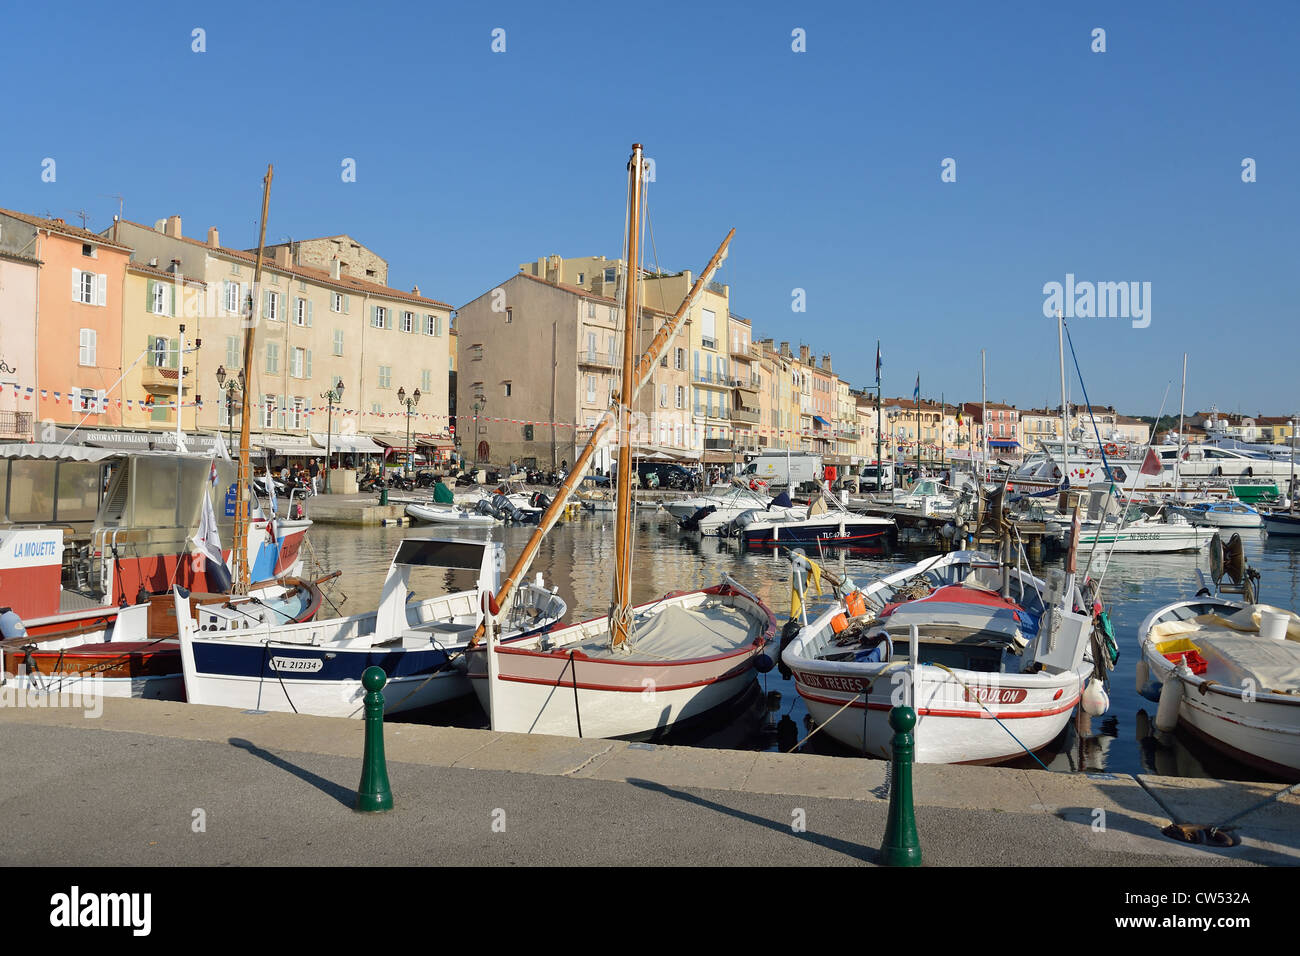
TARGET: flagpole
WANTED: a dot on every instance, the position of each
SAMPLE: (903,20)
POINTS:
(880,397)
(918,426)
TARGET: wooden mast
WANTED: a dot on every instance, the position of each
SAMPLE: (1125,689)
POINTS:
(239,547)
(620,611)
(644,367)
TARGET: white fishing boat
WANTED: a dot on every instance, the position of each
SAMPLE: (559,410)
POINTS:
(1142,536)
(1283,524)
(1227,671)
(448,515)
(316,667)
(827,526)
(645,669)
(714,518)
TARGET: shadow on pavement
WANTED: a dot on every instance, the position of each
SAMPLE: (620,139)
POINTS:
(854,850)
(344,795)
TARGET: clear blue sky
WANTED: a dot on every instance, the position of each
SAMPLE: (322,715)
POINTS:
(1115,166)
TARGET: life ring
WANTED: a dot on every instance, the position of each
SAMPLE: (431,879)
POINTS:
(1112,449)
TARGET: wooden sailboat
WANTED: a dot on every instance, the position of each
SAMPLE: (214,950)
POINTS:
(640,670)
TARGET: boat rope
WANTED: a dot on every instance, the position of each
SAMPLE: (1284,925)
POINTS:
(266,647)
(451,659)
(577,711)
(993,715)
(822,725)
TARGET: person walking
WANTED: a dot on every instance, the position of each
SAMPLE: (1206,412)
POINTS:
(313,469)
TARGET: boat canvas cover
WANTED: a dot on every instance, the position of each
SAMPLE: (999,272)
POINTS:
(677,633)
(966,607)
(1272,665)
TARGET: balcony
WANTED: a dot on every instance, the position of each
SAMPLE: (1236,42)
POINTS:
(597,359)
(16,425)
(742,354)
(159,379)
(717,444)
(745,415)
(710,378)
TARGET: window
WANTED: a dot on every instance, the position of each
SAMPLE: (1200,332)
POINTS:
(385,376)
(663,396)
(268,414)
(302,312)
(158,352)
(591,346)
(609,275)
(681,359)
(234,268)
(613,352)
(87,287)
(160,299)
(432,325)
(681,396)
(338,341)
(708,321)
(591,388)
(582,276)
(87,350)
(507,386)
(272,357)
(591,306)
(88,400)
(297,362)
(408,321)
(379,317)
(302,286)
(510,314)
(271,306)
(336,302)
(298,417)
(88,250)
(374,408)
(232,296)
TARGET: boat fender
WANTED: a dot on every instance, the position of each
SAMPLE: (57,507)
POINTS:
(788,634)
(1143,674)
(1095,700)
(1171,695)
(762,663)
(11,625)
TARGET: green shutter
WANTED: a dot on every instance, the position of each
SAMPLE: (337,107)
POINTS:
(346,305)
(148,295)
(309,312)
(173,353)
(308,370)
(148,350)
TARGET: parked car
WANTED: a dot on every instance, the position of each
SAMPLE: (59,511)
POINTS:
(667,475)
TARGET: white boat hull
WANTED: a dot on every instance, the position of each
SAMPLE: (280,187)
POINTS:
(451,517)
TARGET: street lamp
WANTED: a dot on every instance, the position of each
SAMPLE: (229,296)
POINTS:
(410,404)
(231,390)
(480,402)
(335,394)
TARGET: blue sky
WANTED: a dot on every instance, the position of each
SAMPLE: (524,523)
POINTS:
(1115,166)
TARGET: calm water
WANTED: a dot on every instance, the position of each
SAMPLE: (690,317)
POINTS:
(578,556)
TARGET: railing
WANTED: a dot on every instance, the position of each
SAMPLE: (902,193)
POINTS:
(711,378)
(603,359)
(744,415)
(16,424)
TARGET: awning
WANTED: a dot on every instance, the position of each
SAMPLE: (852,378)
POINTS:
(347,444)
(1000,443)
(821,421)
(50,451)
(433,441)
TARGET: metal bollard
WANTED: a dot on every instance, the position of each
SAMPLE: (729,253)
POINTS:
(901,846)
(383,496)
(373,794)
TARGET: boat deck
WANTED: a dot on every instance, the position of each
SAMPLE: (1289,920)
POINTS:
(678,633)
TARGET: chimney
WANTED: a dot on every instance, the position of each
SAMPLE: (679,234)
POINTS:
(175,268)
(553,265)
(805,355)
(153,263)
(785,350)
(214,239)
(160,225)
(334,267)
(415,290)
(282,257)
(826,363)
(173,227)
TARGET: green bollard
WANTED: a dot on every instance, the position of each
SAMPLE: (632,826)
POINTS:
(374,795)
(383,496)
(901,846)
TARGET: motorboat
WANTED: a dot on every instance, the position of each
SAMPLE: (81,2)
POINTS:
(714,518)
(1227,669)
(827,526)
(316,667)
(449,515)
(1220,514)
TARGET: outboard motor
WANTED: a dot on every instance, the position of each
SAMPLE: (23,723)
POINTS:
(484,507)
(737,525)
(506,509)
(539,500)
(693,522)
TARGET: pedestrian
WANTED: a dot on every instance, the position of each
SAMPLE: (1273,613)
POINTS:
(314,470)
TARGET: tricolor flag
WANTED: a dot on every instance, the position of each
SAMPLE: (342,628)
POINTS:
(877,363)
(916,392)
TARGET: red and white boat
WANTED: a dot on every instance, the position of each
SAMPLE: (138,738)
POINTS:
(993,660)
(641,670)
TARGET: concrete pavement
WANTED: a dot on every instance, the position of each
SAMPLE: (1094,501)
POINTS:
(157,783)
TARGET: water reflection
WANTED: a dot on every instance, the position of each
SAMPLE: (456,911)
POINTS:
(578,556)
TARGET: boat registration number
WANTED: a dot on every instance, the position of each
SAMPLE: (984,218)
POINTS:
(307,665)
(996,695)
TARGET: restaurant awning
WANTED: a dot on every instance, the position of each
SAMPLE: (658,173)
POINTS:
(1000,443)
(347,444)
(821,421)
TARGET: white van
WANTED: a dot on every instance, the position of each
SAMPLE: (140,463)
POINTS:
(785,469)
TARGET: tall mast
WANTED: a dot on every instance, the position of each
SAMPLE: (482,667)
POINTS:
(1065,409)
(1182,401)
(984,417)
(620,611)
(239,547)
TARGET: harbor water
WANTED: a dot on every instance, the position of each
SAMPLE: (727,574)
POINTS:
(578,554)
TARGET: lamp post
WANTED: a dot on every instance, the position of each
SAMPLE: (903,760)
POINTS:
(409,404)
(231,390)
(335,394)
(480,402)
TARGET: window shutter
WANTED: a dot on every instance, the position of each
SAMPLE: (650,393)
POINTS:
(374,315)
(148,351)
(266,303)
(308,375)
(309,311)
(346,305)
(101,284)
(76,285)
(173,353)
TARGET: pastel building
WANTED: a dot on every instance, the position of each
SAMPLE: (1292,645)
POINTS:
(18,281)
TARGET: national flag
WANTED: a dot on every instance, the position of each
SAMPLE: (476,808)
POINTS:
(916,392)
(1151,464)
(877,363)
(208,543)
(959,418)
